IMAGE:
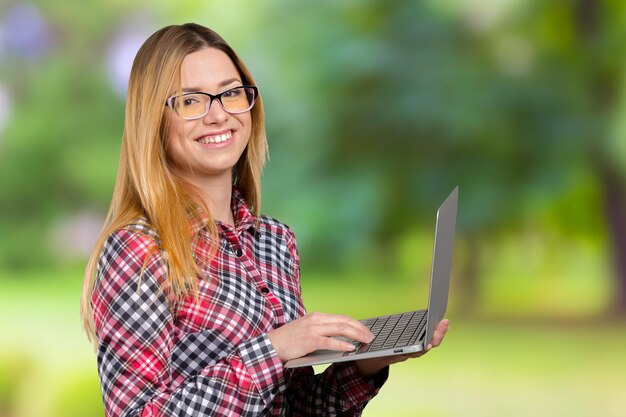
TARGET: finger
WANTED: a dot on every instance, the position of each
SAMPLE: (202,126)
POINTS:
(321,318)
(440,333)
(339,325)
(402,358)
(333,344)
(347,330)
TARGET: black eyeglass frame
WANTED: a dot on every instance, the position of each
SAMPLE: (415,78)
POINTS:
(170,101)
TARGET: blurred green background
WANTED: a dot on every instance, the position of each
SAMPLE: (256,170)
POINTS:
(375,110)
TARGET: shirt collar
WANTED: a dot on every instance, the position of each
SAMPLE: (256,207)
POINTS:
(244,218)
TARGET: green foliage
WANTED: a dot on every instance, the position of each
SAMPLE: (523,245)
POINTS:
(375,110)
(59,153)
(398,102)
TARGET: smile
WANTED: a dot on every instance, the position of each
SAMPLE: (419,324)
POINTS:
(216,139)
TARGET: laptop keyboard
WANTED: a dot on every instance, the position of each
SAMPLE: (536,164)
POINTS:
(397,330)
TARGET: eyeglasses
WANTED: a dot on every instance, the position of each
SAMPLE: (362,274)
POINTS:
(196,104)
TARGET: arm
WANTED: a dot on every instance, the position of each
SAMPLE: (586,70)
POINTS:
(340,389)
(343,388)
(137,344)
(348,386)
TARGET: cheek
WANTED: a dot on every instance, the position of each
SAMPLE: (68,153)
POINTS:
(246,125)
(174,144)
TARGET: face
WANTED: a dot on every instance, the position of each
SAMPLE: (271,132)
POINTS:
(206,149)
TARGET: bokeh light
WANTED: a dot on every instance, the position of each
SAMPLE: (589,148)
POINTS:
(26,32)
(132,32)
(5,108)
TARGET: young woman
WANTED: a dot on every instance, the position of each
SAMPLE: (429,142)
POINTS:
(191,297)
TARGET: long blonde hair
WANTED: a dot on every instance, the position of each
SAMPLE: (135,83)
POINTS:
(145,185)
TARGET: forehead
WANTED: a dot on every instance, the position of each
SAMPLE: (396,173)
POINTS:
(207,69)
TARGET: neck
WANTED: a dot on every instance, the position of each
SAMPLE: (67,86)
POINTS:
(217,195)
(218,200)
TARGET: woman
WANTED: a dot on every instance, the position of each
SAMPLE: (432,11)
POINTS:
(191,297)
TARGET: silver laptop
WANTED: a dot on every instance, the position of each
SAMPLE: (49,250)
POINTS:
(409,332)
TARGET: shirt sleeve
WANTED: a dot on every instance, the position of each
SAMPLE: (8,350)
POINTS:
(137,337)
(338,391)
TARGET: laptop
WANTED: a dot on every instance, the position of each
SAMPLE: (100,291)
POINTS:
(400,334)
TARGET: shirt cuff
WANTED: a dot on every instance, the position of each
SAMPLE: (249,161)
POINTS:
(358,389)
(264,366)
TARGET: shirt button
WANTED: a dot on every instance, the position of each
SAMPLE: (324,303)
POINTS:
(238,252)
(265,290)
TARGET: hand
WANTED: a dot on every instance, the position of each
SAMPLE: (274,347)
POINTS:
(370,367)
(313,331)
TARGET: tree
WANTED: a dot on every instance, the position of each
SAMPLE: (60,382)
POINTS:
(407,101)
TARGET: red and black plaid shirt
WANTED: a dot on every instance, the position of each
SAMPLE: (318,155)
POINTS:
(210,356)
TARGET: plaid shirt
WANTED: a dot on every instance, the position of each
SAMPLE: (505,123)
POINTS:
(210,356)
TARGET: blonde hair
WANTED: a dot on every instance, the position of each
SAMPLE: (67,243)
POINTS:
(145,185)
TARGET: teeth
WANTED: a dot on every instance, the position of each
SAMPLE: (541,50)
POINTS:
(216,139)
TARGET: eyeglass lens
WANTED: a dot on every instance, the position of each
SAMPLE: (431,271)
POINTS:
(235,100)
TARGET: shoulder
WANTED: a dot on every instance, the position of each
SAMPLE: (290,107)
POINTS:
(274,233)
(130,244)
(277,243)
(273,226)
(130,255)
(130,274)
(140,227)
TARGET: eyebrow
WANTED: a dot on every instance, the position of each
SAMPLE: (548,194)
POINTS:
(221,84)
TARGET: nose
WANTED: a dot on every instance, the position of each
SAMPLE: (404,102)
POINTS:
(216,113)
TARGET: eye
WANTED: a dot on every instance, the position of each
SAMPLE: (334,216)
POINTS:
(232,93)
(189,100)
